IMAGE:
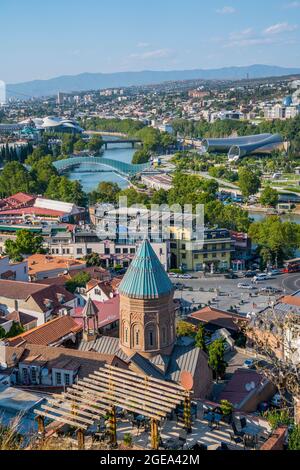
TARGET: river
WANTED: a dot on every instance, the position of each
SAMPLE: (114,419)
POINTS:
(89,178)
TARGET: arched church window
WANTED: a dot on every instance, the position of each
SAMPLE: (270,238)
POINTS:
(137,338)
(151,338)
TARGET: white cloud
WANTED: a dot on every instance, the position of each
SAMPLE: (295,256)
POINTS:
(280,28)
(242,34)
(156,54)
(226,10)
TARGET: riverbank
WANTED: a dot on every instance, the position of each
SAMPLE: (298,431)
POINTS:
(108,134)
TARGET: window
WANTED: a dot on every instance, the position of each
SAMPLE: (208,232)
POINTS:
(58,378)
(137,338)
(151,338)
(25,375)
(118,251)
(126,335)
(89,251)
(107,251)
(79,251)
(67,379)
(132,251)
(33,375)
(183,256)
(125,251)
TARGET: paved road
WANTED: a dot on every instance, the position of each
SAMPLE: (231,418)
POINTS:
(224,293)
(291,282)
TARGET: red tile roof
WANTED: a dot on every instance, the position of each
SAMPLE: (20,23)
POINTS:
(40,293)
(217,317)
(47,334)
(235,391)
(108,312)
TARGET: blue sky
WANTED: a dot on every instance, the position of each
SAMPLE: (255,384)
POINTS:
(41,39)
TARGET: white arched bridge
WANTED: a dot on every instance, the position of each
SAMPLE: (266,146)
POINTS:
(103,164)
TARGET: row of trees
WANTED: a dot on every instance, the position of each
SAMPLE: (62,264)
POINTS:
(11,153)
(42,178)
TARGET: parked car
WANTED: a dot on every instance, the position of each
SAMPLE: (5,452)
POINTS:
(260,277)
(270,290)
(250,274)
(186,276)
(249,363)
(274,272)
(173,275)
(231,276)
(243,285)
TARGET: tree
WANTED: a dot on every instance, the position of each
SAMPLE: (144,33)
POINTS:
(141,156)
(42,171)
(93,259)
(15,178)
(274,336)
(79,146)
(80,280)
(15,330)
(95,144)
(216,352)
(269,197)
(106,192)
(26,243)
(134,197)
(61,188)
(2,332)
(185,329)
(230,217)
(276,240)
(200,338)
(249,182)
(159,197)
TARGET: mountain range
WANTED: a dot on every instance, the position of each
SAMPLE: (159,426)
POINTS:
(94,81)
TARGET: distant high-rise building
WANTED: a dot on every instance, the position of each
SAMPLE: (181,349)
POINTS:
(2,93)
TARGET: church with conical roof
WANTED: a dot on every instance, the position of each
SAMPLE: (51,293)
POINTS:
(147,340)
(147,309)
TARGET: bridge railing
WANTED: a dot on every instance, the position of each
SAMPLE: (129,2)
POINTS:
(123,168)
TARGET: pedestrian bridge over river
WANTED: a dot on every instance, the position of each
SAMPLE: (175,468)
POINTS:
(101,164)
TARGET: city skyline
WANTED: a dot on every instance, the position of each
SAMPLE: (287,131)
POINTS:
(53,39)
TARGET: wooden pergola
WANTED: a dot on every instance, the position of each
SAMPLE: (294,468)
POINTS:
(99,394)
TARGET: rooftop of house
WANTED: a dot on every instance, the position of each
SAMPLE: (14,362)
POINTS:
(48,334)
(96,273)
(108,312)
(146,277)
(217,317)
(43,263)
(46,297)
(21,318)
(243,383)
(58,358)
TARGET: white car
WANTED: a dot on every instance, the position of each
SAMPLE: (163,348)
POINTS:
(186,276)
(260,277)
(242,285)
(173,275)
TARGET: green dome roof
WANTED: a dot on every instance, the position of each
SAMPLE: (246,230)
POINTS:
(146,277)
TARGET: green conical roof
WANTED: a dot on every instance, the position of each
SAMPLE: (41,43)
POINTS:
(146,277)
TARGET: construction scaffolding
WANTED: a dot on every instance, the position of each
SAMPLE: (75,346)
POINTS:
(99,394)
